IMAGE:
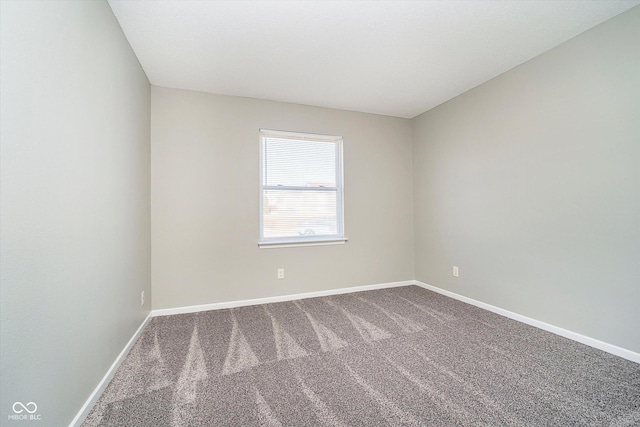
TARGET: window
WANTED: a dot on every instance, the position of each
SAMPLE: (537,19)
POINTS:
(300,189)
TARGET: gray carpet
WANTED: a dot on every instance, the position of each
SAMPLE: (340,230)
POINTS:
(400,356)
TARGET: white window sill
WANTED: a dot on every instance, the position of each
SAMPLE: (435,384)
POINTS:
(296,243)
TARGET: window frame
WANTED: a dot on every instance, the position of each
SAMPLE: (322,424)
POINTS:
(339,237)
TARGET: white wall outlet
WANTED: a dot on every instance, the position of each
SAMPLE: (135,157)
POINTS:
(456,273)
(281,273)
(142,298)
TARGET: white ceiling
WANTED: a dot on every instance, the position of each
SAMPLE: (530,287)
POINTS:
(398,58)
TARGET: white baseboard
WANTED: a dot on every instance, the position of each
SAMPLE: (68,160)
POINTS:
(282,298)
(592,342)
(93,398)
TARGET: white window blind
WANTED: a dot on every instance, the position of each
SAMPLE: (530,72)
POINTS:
(301,188)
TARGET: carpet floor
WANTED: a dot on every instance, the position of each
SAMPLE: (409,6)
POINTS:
(400,356)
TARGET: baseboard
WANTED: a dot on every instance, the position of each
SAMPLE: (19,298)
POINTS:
(93,398)
(282,298)
(592,342)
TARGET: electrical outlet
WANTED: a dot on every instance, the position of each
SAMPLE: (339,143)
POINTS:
(281,273)
(456,273)
(142,298)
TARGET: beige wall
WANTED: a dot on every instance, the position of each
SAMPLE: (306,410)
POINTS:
(75,209)
(205,195)
(530,183)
